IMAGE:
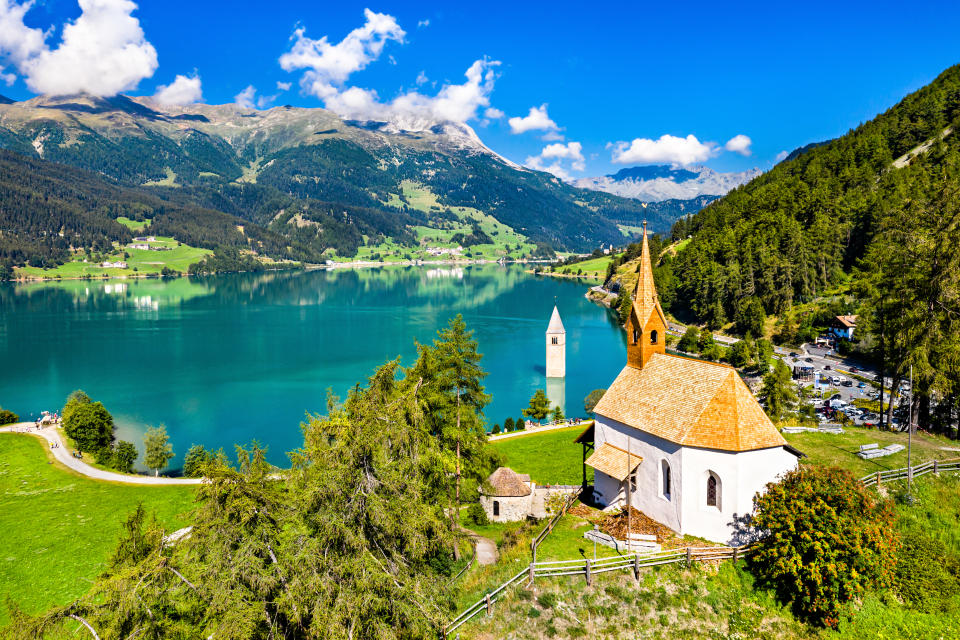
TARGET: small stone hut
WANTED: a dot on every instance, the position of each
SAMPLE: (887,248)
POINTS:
(511,496)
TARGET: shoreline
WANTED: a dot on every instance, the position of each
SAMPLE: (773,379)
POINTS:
(354,264)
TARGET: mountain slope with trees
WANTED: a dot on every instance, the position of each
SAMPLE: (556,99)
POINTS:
(319,182)
(843,214)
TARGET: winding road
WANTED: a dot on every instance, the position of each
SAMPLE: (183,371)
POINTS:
(65,457)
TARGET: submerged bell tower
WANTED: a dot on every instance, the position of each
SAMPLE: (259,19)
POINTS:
(556,347)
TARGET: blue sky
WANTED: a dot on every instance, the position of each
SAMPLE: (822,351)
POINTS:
(610,74)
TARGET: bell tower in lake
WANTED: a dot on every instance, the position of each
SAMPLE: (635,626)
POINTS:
(556,347)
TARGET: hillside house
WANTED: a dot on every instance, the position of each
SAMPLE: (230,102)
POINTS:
(682,440)
(843,327)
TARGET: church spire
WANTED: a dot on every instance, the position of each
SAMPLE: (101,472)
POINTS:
(646,326)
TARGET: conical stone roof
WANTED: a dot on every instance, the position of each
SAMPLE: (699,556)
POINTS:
(556,325)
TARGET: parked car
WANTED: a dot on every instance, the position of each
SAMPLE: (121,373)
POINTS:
(827,367)
(835,380)
(862,385)
(854,370)
(809,359)
(794,354)
(847,383)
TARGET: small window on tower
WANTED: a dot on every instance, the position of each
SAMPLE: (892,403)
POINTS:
(636,335)
(554,340)
(496,508)
(653,337)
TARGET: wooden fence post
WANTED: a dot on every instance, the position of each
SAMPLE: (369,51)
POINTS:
(735,550)
(489,605)
(689,556)
(936,467)
(587,571)
(533,571)
(636,567)
(878,478)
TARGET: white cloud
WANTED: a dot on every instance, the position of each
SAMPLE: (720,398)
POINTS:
(327,67)
(422,78)
(571,153)
(103,52)
(666,150)
(536,120)
(423,23)
(183,90)
(493,113)
(284,86)
(739,144)
(245,99)
(782,156)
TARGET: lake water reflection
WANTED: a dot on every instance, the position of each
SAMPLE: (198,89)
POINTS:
(232,358)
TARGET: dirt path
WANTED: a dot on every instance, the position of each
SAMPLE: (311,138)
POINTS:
(485,548)
(65,457)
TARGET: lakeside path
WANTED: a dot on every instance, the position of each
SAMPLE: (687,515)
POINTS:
(63,456)
(533,430)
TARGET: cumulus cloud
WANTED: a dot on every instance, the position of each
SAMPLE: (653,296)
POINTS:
(183,90)
(782,156)
(536,120)
(284,86)
(327,67)
(739,144)
(422,78)
(553,156)
(246,98)
(493,113)
(665,150)
(103,52)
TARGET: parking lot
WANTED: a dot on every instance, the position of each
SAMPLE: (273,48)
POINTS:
(835,383)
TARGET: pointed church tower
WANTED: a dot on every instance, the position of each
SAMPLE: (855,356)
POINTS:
(646,325)
(556,347)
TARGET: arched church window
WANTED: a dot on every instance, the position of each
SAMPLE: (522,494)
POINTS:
(665,481)
(712,486)
(653,337)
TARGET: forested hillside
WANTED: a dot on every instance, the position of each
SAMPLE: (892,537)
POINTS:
(875,211)
(320,183)
(46,209)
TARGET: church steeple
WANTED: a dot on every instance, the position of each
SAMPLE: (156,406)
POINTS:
(646,325)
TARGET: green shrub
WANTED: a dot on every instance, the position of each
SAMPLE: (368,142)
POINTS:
(827,540)
(547,600)
(124,455)
(476,515)
(8,417)
(925,576)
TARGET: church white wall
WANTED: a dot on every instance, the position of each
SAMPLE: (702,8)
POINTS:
(556,355)
(648,495)
(741,476)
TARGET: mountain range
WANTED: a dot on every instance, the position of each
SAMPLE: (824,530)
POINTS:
(323,183)
(656,183)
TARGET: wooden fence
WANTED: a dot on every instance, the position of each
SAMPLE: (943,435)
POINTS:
(934,466)
(588,568)
(571,498)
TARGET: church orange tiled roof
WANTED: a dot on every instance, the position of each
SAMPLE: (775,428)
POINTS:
(691,403)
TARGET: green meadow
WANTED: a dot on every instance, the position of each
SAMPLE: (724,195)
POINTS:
(59,528)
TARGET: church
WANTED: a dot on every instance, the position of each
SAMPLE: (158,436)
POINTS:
(685,437)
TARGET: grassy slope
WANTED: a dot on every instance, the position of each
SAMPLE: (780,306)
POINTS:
(550,458)
(505,239)
(58,528)
(145,261)
(593,268)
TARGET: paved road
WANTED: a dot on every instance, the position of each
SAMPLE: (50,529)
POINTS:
(63,455)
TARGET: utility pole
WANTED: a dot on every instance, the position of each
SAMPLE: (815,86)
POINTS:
(909,435)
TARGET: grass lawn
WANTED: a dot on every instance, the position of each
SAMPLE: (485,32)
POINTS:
(60,528)
(178,257)
(134,225)
(840,450)
(593,268)
(551,457)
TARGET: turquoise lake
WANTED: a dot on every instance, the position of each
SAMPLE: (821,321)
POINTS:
(238,357)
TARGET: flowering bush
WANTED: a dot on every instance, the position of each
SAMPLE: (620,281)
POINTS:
(827,539)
